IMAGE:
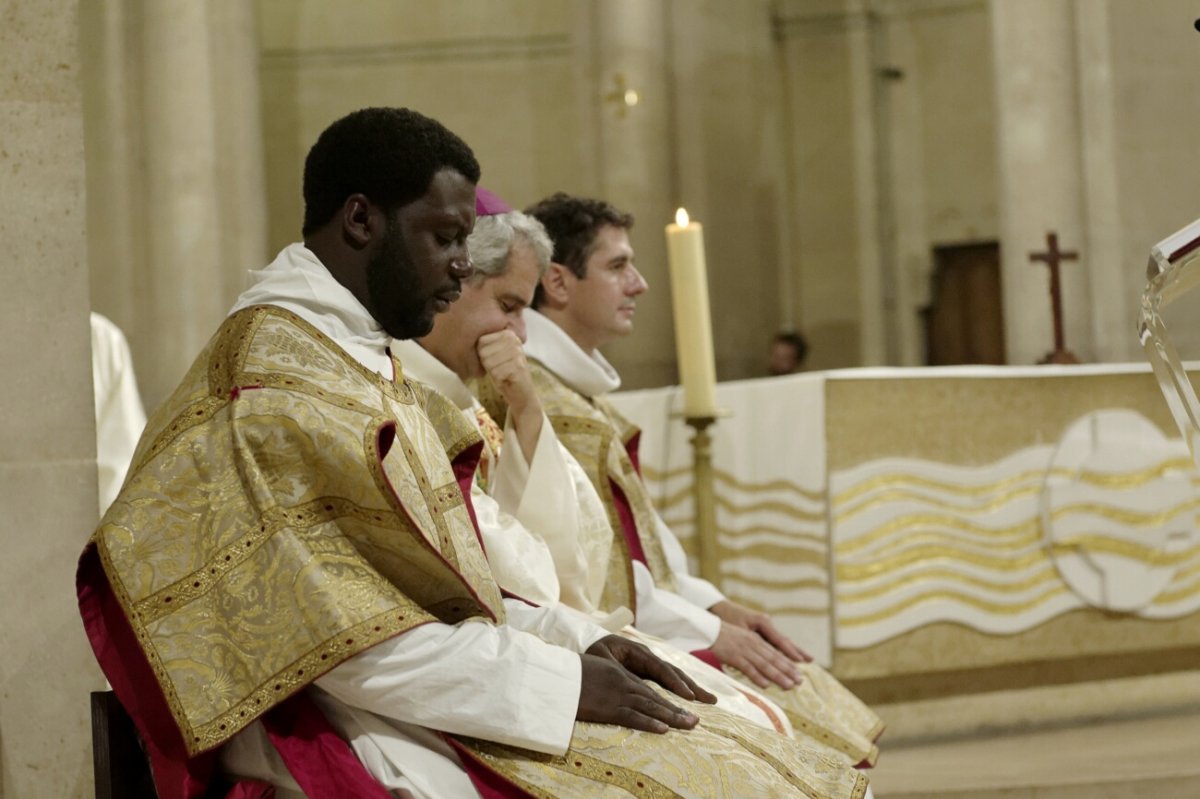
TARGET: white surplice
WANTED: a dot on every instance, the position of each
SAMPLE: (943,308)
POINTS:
(680,618)
(120,417)
(517,683)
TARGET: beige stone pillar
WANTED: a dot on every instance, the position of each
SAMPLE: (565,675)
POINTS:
(1113,305)
(1041,176)
(876,297)
(732,170)
(110,49)
(635,167)
(184,298)
(47,432)
(240,162)
(177,212)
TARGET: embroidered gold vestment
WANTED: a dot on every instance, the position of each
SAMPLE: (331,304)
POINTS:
(287,509)
(598,437)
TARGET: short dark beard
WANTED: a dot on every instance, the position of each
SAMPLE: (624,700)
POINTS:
(393,289)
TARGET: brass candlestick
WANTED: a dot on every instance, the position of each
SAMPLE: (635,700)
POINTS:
(704,496)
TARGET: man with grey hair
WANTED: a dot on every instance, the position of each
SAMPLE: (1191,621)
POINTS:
(551,544)
(483,334)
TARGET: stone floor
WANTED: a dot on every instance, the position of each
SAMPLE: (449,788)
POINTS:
(1157,758)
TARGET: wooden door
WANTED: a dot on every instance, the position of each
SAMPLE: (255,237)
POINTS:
(965,321)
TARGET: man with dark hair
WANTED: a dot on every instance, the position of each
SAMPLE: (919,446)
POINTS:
(578,221)
(788,351)
(542,522)
(291,580)
(587,299)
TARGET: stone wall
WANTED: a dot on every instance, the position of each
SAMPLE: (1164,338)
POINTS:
(47,432)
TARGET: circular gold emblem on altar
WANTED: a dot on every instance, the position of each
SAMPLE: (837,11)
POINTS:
(1118,509)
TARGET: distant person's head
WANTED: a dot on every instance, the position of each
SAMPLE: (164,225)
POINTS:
(788,352)
(511,251)
(389,200)
(592,285)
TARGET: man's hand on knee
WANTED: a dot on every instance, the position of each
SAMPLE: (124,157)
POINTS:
(613,693)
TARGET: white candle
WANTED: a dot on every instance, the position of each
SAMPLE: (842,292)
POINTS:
(693,325)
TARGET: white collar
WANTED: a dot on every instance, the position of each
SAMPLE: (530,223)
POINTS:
(298,281)
(589,374)
(419,364)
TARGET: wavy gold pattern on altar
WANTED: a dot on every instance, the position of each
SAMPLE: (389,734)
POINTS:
(1022,533)
(1129,518)
(905,494)
(732,529)
(772,506)
(990,606)
(901,480)
(849,572)
(775,553)
(1015,544)
(789,534)
(1188,571)
(1127,480)
(951,575)
(1126,549)
(780,507)
(904,479)
(791,585)
(728,478)
(1173,595)
(816,611)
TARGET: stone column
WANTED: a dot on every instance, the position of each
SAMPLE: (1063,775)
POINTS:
(1041,175)
(183,299)
(876,297)
(634,154)
(177,212)
(47,430)
(240,166)
(1113,306)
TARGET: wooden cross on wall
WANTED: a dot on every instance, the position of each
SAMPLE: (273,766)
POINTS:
(1052,258)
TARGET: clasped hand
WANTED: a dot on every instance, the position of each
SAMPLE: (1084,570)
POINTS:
(503,359)
(613,693)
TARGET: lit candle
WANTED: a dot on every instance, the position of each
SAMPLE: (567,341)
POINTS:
(693,326)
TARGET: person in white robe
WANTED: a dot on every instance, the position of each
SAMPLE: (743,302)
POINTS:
(545,530)
(292,573)
(391,700)
(531,666)
(586,299)
(119,413)
(574,318)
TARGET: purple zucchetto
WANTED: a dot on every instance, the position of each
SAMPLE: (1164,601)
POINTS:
(488,204)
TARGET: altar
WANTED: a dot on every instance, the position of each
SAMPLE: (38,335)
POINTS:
(932,532)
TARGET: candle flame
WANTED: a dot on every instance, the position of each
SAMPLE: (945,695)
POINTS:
(681,217)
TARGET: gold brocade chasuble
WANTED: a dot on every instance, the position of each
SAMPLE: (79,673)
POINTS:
(288,509)
(598,437)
